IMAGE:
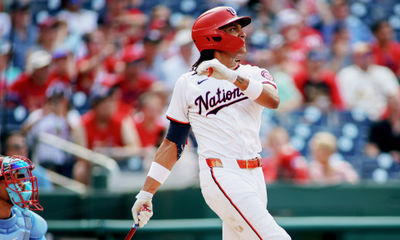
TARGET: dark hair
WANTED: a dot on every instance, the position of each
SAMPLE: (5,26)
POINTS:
(10,135)
(86,38)
(339,27)
(99,94)
(205,55)
(377,25)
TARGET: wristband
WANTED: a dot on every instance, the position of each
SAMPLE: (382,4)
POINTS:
(158,172)
(254,89)
(144,195)
(231,75)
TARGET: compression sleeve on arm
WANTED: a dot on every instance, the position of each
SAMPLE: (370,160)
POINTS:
(178,133)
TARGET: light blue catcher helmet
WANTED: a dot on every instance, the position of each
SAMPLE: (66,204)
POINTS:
(21,185)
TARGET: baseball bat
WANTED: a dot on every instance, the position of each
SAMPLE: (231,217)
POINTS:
(131,232)
(135,226)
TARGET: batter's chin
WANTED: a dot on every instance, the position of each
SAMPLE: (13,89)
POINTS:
(241,53)
(242,50)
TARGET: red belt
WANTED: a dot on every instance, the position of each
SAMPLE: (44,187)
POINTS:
(250,163)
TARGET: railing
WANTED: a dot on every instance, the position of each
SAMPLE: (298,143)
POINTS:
(79,151)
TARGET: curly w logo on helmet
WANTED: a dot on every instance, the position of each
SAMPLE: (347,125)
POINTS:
(232,11)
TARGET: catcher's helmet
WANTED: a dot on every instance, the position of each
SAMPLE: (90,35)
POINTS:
(21,185)
(207,33)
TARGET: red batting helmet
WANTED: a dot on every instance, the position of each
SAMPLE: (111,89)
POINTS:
(207,33)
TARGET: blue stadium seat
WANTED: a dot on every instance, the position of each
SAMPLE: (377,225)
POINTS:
(380,169)
(350,128)
(12,118)
(80,102)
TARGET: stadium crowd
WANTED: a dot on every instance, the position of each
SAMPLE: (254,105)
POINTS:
(100,74)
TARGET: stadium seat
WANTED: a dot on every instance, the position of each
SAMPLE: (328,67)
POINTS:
(12,118)
(80,101)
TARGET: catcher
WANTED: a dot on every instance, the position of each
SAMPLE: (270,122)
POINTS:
(18,196)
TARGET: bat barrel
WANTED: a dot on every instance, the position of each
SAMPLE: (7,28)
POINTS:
(131,232)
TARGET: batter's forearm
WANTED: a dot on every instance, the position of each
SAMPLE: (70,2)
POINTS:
(151,185)
(166,156)
(269,95)
(241,83)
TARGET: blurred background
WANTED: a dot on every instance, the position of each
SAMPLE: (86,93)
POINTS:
(84,86)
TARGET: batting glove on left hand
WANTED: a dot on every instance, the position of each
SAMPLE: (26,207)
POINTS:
(142,209)
(217,70)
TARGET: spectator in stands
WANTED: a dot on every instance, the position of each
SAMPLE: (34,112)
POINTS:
(15,144)
(56,118)
(384,135)
(30,88)
(160,20)
(64,69)
(134,81)
(132,27)
(94,63)
(182,59)
(115,10)
(385,50)
(24,32)
(154,54)
(107,131)
(5,23)
(285,163)
(326,167)
(80,21)
(298,37)
(317,84)
(69,41)
(290,97)
(340,14)
(366,86)
(340,49)
(8,73)
(148,119)
(112,62)
(282,58)
(150,124)
(48,30)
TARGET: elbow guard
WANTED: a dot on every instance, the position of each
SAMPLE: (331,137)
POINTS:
(178,133)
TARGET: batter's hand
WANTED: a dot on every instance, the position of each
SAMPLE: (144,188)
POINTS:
(142,209)
(217,70)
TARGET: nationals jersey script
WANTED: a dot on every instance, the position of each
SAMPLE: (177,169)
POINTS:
(222,117)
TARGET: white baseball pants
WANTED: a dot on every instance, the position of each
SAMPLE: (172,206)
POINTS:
(239,198)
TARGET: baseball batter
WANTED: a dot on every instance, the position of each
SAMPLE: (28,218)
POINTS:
(221,100)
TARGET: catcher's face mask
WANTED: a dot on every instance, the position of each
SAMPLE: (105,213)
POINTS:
(21,185)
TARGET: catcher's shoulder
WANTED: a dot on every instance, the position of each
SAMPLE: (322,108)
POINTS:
(39,226)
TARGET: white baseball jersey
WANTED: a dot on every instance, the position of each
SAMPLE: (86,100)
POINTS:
(226,125)
(225,122)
